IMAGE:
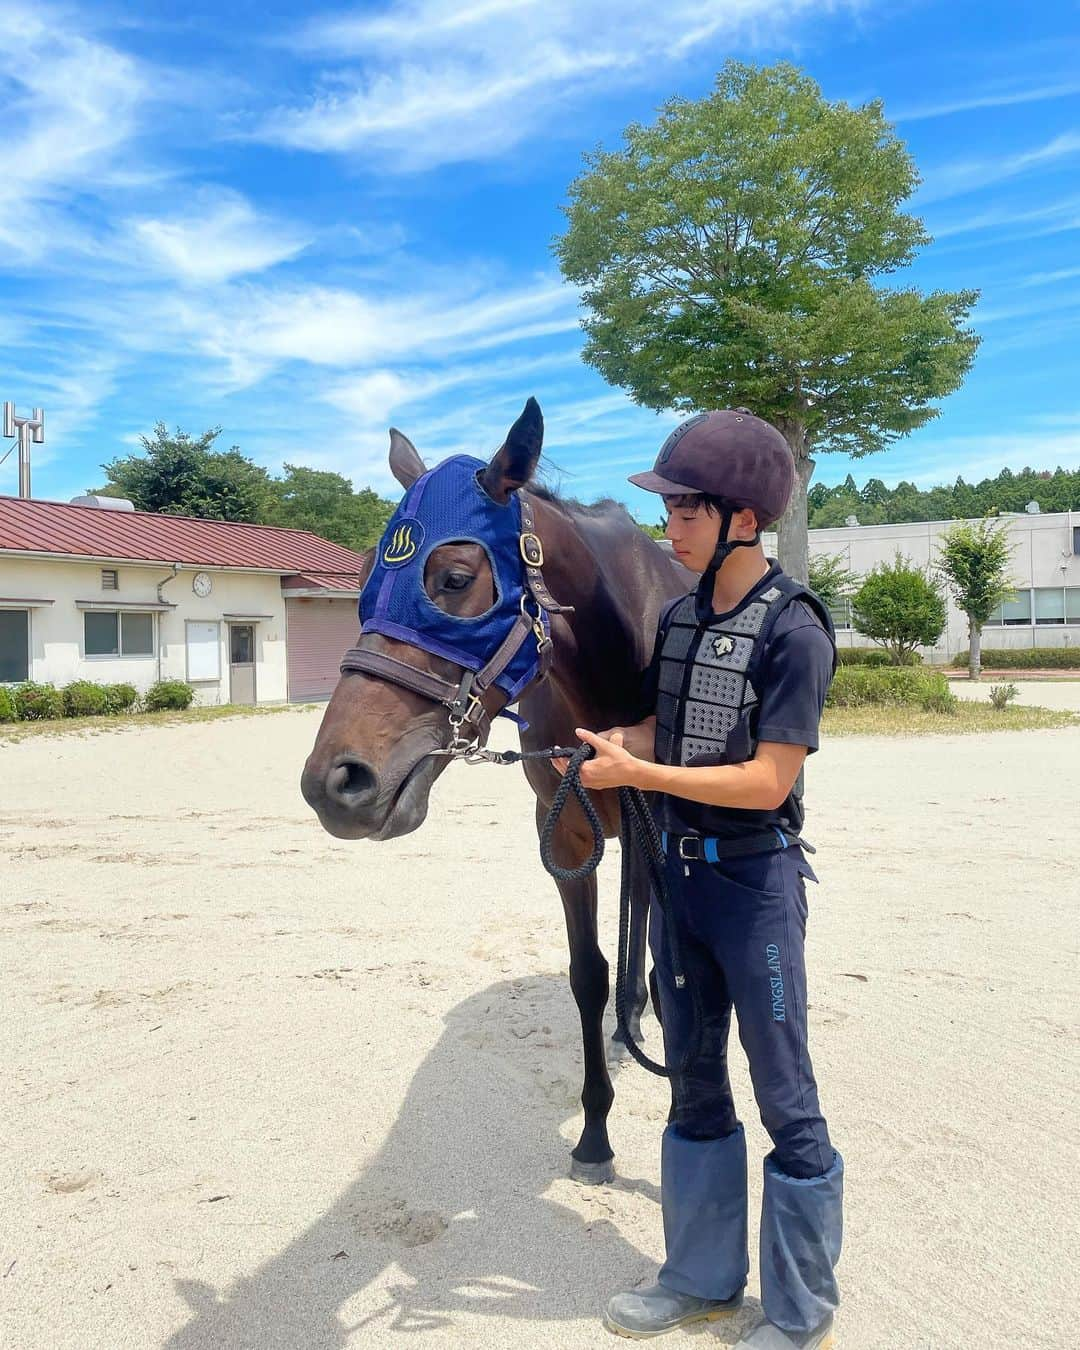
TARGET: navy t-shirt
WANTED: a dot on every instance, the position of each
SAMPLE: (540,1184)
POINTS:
(794,677)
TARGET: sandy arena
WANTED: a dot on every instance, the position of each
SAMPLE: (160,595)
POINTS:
(266,1089)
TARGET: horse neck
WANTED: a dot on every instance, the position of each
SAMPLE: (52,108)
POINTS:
(597,647)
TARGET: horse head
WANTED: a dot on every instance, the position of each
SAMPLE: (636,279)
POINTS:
(441,594)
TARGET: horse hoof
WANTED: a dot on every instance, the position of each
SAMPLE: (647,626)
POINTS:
(592,1173)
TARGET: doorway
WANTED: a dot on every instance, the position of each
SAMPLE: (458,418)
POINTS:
(241,663)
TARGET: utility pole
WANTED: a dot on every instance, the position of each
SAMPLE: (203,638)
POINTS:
(27,429)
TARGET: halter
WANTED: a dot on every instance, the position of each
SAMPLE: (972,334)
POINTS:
(443,505)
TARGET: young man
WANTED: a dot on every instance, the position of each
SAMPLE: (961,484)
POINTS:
(736,687)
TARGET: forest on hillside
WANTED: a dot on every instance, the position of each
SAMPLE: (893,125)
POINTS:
(876,504)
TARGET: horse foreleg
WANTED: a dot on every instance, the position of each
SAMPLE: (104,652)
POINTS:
(592,1160)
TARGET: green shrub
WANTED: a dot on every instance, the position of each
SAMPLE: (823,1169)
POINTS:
(1023,658)
(120,697)
(1001,695)
(168,694)
(8,711)
(82,698)
(874,656)
(891,686)
(38,702)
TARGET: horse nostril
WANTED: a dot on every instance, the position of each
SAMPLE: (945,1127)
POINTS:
(350,782)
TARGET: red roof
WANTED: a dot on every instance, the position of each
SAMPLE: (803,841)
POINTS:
(91,532)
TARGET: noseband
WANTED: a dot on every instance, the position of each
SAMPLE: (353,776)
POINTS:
(470,722)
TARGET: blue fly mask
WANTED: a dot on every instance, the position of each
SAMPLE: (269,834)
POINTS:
(448,505)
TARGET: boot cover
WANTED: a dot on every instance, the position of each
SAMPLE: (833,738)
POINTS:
(765,1336)
(642,1313)
(801,1231)
(703,1196)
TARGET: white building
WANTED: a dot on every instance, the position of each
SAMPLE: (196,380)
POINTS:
(1045,572)
(246,613)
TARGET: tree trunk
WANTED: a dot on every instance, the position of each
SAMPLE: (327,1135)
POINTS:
(974,649)
(793,542)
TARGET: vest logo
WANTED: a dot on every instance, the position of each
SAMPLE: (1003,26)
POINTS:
(723,646)
(403,543)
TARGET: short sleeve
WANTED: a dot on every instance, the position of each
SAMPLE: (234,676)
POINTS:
(795,679)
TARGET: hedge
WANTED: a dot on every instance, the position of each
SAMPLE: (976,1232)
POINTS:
(82,698)
(1023,658)
(891,686)
(872,656)
(168,694)
(38,702)
(8,711)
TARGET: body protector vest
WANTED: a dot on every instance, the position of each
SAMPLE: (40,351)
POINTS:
(446,505)
(708,699)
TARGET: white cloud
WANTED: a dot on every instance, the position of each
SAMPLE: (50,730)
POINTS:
(1000,98)
(70,105)
(433,81)
(221,236)
(325,326)
(964,176)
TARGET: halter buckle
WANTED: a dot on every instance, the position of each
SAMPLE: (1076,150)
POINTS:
(532,550)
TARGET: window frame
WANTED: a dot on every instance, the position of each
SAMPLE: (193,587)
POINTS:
(120,654)
(14,609)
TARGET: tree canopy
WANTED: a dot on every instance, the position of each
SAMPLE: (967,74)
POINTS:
(184,475)
(875,504)
(729,254)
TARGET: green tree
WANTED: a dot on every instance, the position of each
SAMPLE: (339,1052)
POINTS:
(183,475)
(326,504)
(727,256)
(899,607)
(973,562)
(831,580)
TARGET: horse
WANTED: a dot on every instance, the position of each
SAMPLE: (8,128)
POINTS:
(382,744)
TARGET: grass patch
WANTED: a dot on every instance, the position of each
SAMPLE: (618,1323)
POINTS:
(965,719)
(76,726)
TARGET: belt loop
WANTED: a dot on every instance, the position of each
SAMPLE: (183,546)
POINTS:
(711,852)
(664,840)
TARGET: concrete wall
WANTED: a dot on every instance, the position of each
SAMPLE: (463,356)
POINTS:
(1042,557)
(57,651)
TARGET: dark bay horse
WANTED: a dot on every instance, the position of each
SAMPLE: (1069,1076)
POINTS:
(371,769)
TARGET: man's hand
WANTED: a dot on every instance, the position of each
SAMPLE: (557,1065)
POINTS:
(613,767)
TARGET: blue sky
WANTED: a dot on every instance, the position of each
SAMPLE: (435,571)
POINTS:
(305,224)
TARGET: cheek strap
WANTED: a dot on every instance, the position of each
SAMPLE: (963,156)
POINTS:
(724,548)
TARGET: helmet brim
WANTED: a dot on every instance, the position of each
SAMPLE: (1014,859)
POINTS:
(652,482)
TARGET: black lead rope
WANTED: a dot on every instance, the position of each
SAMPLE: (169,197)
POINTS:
(637,834)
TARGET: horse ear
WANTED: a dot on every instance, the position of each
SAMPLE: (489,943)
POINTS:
(513,463)
(405,462)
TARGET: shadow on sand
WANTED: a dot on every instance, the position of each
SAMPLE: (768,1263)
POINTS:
(442,1234)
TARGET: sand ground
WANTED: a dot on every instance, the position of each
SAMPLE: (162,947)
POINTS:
(267,1089)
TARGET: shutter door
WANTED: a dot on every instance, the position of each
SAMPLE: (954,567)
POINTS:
(319,634)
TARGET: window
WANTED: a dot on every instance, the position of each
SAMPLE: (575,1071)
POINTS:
(1072,604)
(110,579)
(841,614)
(1049,605)
(1012,612)
(1076,539)
(14,645)
(112,633)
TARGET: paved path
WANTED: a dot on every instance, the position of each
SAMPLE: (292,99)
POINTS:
(1035,693)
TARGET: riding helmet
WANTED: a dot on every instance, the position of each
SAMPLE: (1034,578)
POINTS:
(729,454)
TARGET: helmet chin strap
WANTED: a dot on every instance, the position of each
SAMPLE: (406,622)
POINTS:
(724,548)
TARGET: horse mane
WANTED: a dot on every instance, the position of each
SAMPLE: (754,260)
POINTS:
(605,508)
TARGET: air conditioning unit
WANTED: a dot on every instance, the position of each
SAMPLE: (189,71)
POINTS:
(104,503)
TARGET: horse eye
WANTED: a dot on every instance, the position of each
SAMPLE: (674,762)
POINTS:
(457,581)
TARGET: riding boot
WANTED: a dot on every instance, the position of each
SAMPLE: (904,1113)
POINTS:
(801,1231)
(703,1197)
